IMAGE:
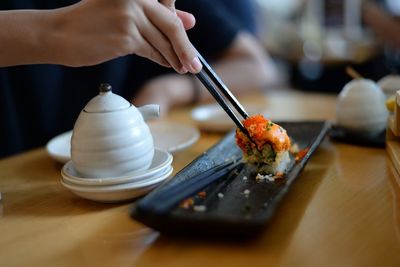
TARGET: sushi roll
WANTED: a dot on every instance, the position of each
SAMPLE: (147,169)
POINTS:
(269,151)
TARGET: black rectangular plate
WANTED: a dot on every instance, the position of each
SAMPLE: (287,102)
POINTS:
(236,213)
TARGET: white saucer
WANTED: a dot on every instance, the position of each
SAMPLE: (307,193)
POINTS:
(171,137)
(118,192)
(213,118)
(161,162)
(59,147)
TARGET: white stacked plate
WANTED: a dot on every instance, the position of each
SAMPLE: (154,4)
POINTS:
(122,188)
(172,137)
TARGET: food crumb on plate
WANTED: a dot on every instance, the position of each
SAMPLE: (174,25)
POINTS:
(297,152)
(246,192)
(301,154)
(294,149)
(199,208)
(269,177)
(262,177)
(202,194)
(187,203)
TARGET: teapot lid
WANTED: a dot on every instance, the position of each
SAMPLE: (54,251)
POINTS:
(106,101)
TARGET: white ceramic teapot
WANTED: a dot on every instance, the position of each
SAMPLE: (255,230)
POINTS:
(110,137)
(360,108)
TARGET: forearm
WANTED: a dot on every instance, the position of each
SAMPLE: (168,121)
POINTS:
(23,37)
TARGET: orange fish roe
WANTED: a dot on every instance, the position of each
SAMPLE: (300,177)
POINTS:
(263,131)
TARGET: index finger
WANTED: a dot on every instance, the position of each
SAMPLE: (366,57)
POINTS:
(171,26)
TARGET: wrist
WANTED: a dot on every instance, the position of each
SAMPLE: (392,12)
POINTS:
(54,46)
(45,38)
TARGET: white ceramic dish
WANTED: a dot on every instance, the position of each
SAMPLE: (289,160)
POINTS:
(161,162)
(213,118)
(173,137)
(118,192)
(59,148)
(170,137)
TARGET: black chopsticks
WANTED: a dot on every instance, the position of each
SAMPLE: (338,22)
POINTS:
(207,76)
(166,199)
(224,89)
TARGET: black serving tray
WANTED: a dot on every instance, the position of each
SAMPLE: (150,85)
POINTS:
(341,135)
(229,210)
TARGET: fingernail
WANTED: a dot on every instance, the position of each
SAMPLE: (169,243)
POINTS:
(195,65)
(183,70)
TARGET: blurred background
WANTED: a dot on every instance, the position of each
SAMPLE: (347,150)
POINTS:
(314,40)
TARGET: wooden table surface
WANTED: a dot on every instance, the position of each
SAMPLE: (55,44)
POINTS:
(343,210)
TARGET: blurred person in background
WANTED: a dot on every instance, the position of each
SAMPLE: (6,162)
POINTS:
(39,101)
(318,39)
(383,17)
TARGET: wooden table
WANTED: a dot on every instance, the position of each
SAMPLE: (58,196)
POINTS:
(343,210)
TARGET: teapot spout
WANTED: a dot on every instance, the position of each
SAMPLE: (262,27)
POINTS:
(151,111)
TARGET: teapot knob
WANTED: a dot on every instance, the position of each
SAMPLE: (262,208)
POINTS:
(104,88)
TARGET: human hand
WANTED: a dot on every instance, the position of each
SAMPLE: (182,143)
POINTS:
(167,91)
(94,31)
